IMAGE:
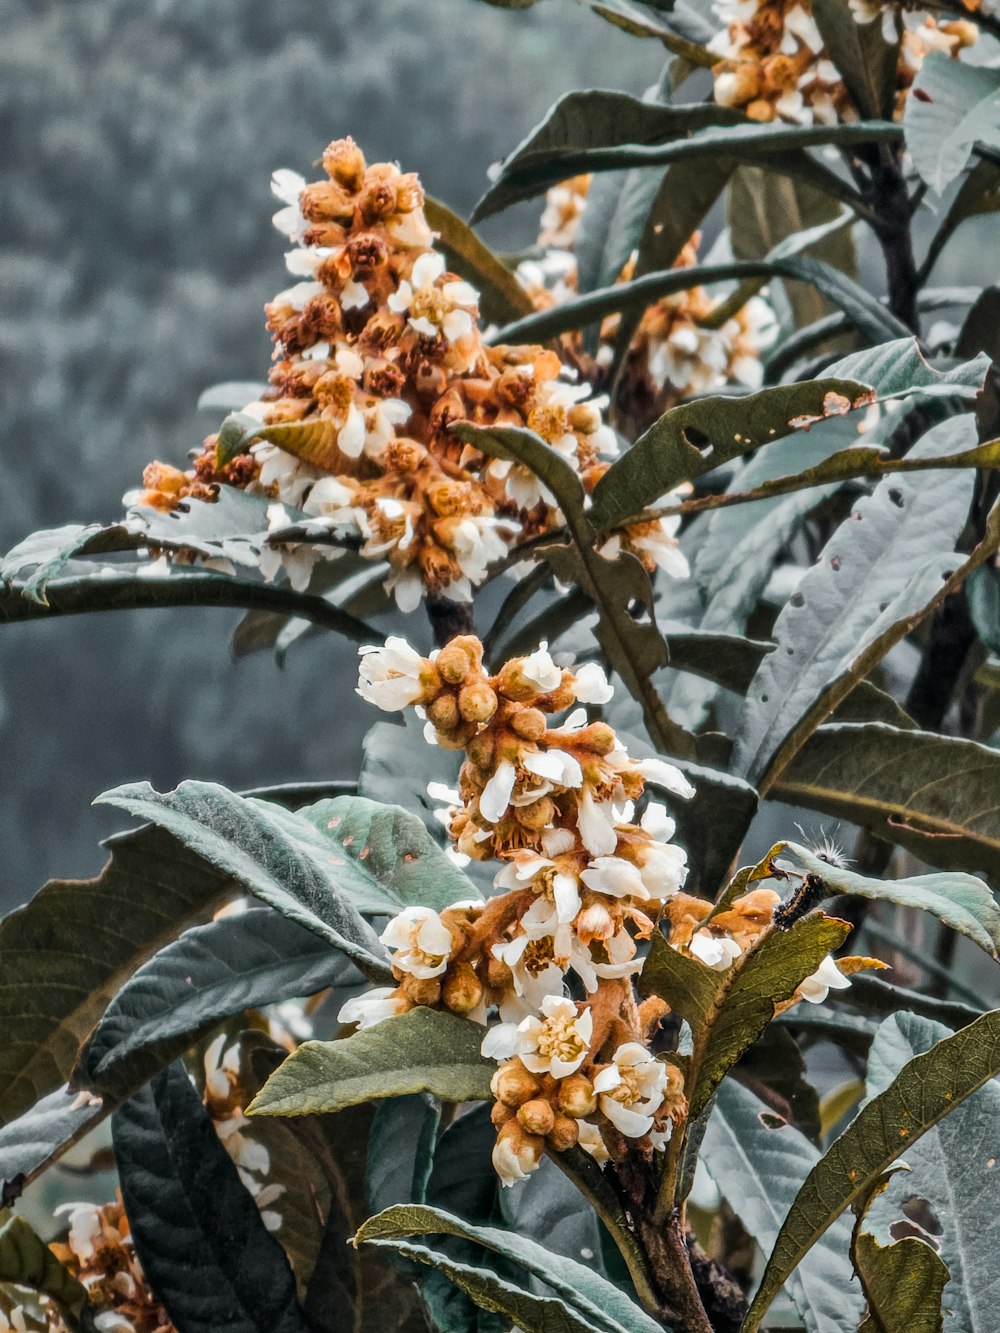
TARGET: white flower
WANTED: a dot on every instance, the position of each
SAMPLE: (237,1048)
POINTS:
(407,586)
(592,1142)
(558,1043)
(554,765)
(495,796)
(716,951)
(665,775)
(515,1156)
(539,670)
(591,685)
(421,940)
(381,419)
(660,542)
(374,1006)
(827,977)
(631,1089)
(112,1322)
(596,820)
(562,888)
(615,877)
(433,310)
(84,1228)
(389,677)
(299,296)
(478,542)
(288,186)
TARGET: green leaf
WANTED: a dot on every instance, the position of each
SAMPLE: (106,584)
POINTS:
(66,953)
(979,193)
(962,902)
(579,123)
(765,209)
(951,106)
(634,646)
(197,1231)
(691,440)
(270,852)
(424,1050)
(759,1167)
(235,963)
(130,588)
(230,395)
(902,1282)
(746,996)
(27,1261)
(30,1144)
(600,1304)
(606,131)
(883,569)
(530,1313)
(899,368)
(865,311)
(687,984)
(924,1092)
(401,1151)
(501,295)
(932,794)
(612,224)
(864,59)
(949,1167)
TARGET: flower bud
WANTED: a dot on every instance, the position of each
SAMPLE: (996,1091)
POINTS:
(455,661)
(595,923)
(537,1116)
(462,990)
(457,739)
(421,990)
(563,696)
(498,975)
(760,111)
(516,1153)
(529,724)
(513,1085)
(599,738)
(500,1113)
(344,161)
(477,702)
(443,712)
(536,816)
(481,750)
(576,1096)
(563,1135)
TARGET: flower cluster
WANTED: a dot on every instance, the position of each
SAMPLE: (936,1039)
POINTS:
(378,352)
(99,1252)
(773,64)
(584,875)
(678,351)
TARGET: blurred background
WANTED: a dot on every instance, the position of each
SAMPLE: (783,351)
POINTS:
(137,254)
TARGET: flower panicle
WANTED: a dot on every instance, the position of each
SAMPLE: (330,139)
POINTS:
(378,352)
(553,796)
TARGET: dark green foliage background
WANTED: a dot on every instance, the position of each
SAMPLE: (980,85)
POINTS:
(137,253)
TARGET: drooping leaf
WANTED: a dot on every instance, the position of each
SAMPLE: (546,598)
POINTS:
(424,1050)
(931,794)
(230,395)
(759,1167)
(401,1151)
(898,368)
(272,853)
(687,985)
(923,1093)
(882,570)
(902,1282)
(863,310)
(693,439)
(950,1169)
(962,902)
(197,1231)
(764,209)
(590,1296)
(213,971)
(27,1261)
(864,59)
(612,223)
(501,296)
(952,106)
(979,193)
(83,938)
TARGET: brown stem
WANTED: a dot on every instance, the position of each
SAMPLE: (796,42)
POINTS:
(449,619)
(894,211)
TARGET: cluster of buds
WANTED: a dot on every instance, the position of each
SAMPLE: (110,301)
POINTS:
(378,352)
(99,1253)
(773,64)
(679,349)
(583,877)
